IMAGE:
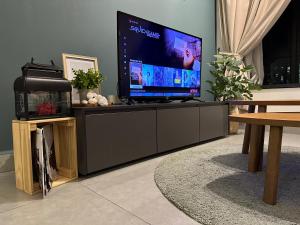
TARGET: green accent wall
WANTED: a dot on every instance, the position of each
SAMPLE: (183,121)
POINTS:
(44,29)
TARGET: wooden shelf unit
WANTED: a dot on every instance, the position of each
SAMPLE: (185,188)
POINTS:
(64,133)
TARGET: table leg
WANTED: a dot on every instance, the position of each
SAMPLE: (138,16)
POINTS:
(272,173)
(245,150)
(261,109)
(254,155)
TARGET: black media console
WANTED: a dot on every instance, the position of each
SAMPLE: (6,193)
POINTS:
(110,136)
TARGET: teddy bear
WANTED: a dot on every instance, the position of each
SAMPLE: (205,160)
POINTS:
(94,99)
(102,100)
(91,99)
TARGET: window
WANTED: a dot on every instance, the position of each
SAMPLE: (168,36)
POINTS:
(281,50)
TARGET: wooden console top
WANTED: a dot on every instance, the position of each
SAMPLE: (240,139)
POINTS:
(142,106)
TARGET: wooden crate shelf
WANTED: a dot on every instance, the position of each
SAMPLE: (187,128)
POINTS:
(64,133)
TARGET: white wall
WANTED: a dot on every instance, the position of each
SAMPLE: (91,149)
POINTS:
(279,94)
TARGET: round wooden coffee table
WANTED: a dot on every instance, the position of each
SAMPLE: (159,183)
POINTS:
(276,121)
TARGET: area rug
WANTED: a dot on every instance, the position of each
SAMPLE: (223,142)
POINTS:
(210,183)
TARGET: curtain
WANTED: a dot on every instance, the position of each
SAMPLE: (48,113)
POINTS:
(242,24)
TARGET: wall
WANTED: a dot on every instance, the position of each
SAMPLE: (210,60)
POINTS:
(45,29)
(279,94)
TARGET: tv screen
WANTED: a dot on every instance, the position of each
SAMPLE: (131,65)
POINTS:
(156,61)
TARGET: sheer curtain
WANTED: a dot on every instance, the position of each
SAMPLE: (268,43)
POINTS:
(242,24)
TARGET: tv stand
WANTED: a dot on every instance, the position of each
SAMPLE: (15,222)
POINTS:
(117,134)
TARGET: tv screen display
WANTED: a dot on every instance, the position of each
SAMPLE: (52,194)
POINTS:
(156,61)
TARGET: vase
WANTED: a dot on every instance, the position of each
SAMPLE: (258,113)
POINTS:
(234,126)
(83,93)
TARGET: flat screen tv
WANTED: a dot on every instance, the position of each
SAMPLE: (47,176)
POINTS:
(155,61)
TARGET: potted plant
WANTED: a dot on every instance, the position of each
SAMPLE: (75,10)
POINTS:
(231,81)
(87,81)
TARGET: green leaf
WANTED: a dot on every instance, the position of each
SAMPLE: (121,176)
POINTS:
(87,80)
(234,86)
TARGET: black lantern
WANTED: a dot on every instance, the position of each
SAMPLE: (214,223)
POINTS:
(42,92)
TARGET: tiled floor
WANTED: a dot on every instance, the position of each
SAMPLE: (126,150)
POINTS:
(124,196)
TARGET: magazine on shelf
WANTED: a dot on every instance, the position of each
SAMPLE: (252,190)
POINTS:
(45,154)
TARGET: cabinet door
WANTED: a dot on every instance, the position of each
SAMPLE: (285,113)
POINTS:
(115,138)
(177,128)
(213,121)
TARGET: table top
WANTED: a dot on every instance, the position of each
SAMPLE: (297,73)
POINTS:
(272,119)
(265,102)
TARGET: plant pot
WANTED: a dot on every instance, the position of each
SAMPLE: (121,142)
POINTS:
(234,126)
(83,92)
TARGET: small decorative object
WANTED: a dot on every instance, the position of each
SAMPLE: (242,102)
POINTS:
(92,101)
(87,81)
(42,92)
(113,100)
(91,95)
(102,100)
(46,108)
(84,102)
(75,63)
(231,81)
(91,98)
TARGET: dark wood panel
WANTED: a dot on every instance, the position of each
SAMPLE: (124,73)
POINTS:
(177,128)
(81,142)
(109,136)
(213,122)
(141,106)
(115,138)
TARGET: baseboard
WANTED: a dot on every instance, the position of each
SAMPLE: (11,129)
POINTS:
(6,161)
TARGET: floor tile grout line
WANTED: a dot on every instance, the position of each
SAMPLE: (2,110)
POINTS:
(115,204)
(17,207)
(96,182)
